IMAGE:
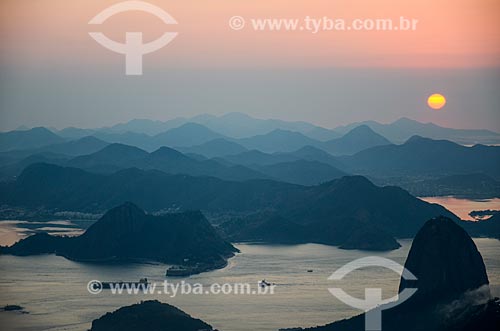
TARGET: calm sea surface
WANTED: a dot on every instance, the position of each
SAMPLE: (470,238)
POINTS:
(54,290)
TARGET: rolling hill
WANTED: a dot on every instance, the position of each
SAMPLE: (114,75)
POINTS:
(277,141)
(126,233)
(28,139)
(301,172)
(356,140)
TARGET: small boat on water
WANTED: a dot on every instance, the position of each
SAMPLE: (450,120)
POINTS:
(143,282)
(180,271)
(185,270)
(263,283)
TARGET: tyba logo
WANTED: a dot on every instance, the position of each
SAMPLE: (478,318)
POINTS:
(372,304)
(133,48)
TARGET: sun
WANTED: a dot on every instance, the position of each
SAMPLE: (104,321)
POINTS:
(436,101)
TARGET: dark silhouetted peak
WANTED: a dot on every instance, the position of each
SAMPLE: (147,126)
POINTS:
(360,138)
(117,222)
(364,132)
(349,186)
(433,145)
(148,315)
(127,209)
(127,233)
(123,215)
(445,261)
(40,132)
(362,129)
(39,243)
(419,140)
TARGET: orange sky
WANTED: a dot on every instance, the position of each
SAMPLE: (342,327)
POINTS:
(451,33)
(53,73)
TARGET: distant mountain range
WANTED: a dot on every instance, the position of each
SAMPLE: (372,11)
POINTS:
(114,157)
(404,128)
(150,135)
(406,165)
(283,141)
(186,135)
(425,157)
(196,138)
(308,153)
(117,156)
(238,125)
(234,125)
(284,151)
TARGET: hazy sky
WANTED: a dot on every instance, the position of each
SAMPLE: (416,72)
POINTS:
(53,74)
